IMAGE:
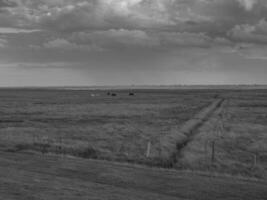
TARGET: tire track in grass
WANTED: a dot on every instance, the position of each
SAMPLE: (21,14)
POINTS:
(174,144)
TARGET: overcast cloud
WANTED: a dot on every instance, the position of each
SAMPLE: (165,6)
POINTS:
(132,42)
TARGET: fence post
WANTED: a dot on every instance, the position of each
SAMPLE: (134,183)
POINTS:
(254,160)
(213,151)
(206,148)
(148,149)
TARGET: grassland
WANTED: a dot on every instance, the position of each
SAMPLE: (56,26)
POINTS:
(239,132)
(92,124)
(45,134)
(26,176)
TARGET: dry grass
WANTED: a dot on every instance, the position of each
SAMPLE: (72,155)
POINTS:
(119,128)
(239,129)
(114,128)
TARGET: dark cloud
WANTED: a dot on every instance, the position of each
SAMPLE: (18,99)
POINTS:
(256,33)
(7,3)
(209,16)
(139,23)
(173,36)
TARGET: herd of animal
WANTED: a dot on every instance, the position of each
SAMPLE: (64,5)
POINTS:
(112,94)
(115,94)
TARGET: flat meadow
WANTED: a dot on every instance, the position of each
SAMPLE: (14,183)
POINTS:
(239,132)
(93,124)
(145,127)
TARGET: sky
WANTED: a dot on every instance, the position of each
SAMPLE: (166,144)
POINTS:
(132,42)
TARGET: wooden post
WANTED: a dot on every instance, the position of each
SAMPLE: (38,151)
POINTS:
(206,148)
(160,148)
(213,151)
(148,149)
(61,148)
(254,160)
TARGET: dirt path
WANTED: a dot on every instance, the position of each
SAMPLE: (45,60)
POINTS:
(191,126)
(36,177)
(174,144)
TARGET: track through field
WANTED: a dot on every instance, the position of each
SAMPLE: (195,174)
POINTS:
(32,176)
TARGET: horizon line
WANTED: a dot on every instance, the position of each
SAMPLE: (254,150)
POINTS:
(132,86)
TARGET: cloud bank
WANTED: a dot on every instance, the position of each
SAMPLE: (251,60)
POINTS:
(134,33)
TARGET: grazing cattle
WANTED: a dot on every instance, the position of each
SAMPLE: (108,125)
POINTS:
(131,94)
(108,93)
(114,94)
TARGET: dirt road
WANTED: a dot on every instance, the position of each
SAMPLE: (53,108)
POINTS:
(31,176)
(173,144)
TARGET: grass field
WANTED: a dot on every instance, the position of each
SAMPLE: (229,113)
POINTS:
(94,125)
(239,132)
(26,176)
(46,136)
